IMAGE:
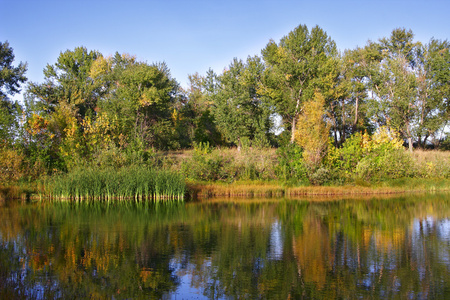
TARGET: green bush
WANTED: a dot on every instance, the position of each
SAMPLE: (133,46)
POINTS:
(341,162)
(290,165)
(352,152)
(383,165)
(205,164)
(229,165)
(320,176)
(363,159)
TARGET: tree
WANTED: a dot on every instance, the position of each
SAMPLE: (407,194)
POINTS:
(395,84)
(348,109)
(10,79)
(313,131)
(296,67)
(64,100)
(10,112)
(196,112)
(69,81)
(433,104)
(140,96)
(239,111)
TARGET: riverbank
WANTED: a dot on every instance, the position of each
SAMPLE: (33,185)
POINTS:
(275,189)
(15,191)
(197,190)
(251,172)
(248,173)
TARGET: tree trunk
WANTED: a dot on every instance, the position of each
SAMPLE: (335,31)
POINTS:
(424,144)
(343,135)
(408,131)
(294,120)
(355,122)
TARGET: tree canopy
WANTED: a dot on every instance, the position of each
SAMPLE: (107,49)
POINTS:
(296,67)
(10,80)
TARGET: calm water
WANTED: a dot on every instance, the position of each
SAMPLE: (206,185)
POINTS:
(270,249)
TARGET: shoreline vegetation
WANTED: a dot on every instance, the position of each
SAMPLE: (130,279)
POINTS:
(133,183)
(303,118)
(204,173)
(272,190)
(250,190)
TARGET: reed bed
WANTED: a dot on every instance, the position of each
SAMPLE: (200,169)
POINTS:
(135,183)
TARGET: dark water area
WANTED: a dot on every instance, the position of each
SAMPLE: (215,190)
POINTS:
(231,249)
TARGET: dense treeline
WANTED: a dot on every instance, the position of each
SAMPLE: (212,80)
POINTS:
(114,111)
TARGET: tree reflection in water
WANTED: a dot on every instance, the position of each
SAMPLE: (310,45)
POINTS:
(282,248)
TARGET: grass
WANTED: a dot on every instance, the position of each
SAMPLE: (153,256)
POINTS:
(237,189)
(278,189)
(432,163)
(137,183)
(429,172)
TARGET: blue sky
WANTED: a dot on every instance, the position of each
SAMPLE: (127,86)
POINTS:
(193,36)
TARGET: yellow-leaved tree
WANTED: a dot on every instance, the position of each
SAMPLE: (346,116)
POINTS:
(313,131)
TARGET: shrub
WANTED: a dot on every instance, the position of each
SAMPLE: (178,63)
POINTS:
(229,165)
(352,152)
(320,176)
(11,165)
(290,165)
(367,158)
(389,164)
(205,165)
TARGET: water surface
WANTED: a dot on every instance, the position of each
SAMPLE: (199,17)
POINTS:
(251,249)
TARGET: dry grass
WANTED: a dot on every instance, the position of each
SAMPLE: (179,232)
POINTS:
(431,163)
(435,156)
(274,189)
(209,190)
(173,159)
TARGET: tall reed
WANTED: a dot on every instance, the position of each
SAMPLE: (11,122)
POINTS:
(136,183)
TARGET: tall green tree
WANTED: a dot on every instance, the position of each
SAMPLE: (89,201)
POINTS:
(66,98)
(197,120)
(239,110)
(349,109)
(10,79)
(296,67)
(69,81)
(140,96)
(395,84)
(433,104)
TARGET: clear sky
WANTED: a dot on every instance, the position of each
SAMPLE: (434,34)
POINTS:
(193,36)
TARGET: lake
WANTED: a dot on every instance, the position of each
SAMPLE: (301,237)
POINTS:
(395,247)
